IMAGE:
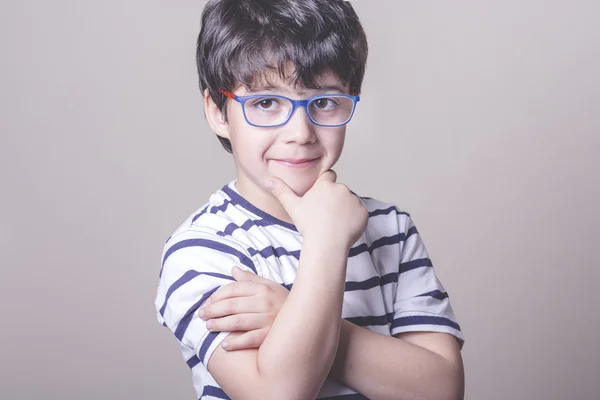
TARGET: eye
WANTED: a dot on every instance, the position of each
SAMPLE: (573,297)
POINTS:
(324,103)
(266,103)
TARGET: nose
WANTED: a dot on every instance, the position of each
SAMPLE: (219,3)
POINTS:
(299,129)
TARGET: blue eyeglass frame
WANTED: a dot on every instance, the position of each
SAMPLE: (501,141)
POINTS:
(295,104)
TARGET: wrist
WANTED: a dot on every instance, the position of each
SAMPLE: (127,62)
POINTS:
(330,243)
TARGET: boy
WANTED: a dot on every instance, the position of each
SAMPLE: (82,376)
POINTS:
(335,296)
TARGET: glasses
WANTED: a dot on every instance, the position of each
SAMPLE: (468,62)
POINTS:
(266,111)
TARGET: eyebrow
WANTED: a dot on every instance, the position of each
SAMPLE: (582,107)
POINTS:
(273,88)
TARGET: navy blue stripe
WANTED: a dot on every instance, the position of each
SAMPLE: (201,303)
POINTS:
(364,285)
(229,229)
(277,252)
(210,244)
(412,231)
(192,362)
(214,392)
(200,214)
(372,282)
(222,207)
(239,200)
(418,263)
(387,211)
(354,396)
(382,212)
(369,321)
(185,321)
(424,320)
(210,338)
(185,278)
(389,278)
(245,226)
(384,241)
(435,294)
(354,251)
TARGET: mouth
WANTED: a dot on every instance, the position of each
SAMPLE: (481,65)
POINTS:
(296,162)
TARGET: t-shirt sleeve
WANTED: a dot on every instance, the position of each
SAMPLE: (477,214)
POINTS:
(194,266)
(421,303)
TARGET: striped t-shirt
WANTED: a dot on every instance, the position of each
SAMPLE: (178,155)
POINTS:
(391,286)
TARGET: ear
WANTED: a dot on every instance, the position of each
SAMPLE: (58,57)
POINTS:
(214,116)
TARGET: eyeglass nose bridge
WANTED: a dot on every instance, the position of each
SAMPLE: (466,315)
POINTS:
(300,104)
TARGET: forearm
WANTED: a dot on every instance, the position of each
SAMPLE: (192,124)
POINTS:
(382,367)
(303,340)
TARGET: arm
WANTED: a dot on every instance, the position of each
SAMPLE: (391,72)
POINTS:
(411,365)
(422,360)
(300,347)
(299,350)
(419,365)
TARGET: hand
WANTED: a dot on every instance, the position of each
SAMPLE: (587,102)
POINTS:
(250,304)
(328,212)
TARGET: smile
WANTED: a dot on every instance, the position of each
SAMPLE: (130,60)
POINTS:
(296,163)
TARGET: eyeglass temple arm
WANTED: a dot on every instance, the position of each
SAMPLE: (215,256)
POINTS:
(228,94)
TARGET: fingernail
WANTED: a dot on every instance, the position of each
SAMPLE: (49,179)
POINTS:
(201,313)
(208,301)
(209,324)
(225,345)
(269,184)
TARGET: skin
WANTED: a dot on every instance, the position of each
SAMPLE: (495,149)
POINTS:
(286,341)
(259,153)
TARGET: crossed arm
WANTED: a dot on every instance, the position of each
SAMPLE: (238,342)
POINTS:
(416,365)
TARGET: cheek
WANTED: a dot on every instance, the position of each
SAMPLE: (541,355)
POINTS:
(333,142)
(251,145)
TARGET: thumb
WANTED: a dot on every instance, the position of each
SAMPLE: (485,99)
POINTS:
(283,193)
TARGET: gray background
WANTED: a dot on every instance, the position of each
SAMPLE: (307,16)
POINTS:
(481,118)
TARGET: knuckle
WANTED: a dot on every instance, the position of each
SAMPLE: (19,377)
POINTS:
(264,290)
(266,305)
(229,307)
(235,290)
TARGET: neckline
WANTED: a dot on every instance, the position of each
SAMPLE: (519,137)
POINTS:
(238,200)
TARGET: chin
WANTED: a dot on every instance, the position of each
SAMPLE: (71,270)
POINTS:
(300,185)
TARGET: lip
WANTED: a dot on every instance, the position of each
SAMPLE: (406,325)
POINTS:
(295,162)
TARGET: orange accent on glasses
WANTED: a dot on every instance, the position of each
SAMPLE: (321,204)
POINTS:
(228,94)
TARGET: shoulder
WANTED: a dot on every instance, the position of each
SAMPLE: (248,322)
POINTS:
(385,217)
(202,236)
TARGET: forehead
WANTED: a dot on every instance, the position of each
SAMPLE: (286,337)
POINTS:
(287,81)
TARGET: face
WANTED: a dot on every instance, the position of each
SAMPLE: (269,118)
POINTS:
(297,152)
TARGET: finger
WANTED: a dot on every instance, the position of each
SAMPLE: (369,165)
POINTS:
(328,176)
(283,193)
(238,322)
(249,340)
(241,275)
(236,305)
(234,289)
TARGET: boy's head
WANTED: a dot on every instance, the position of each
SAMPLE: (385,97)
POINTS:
(292,48)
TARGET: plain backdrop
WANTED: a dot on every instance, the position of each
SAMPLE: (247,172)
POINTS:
(480,118)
